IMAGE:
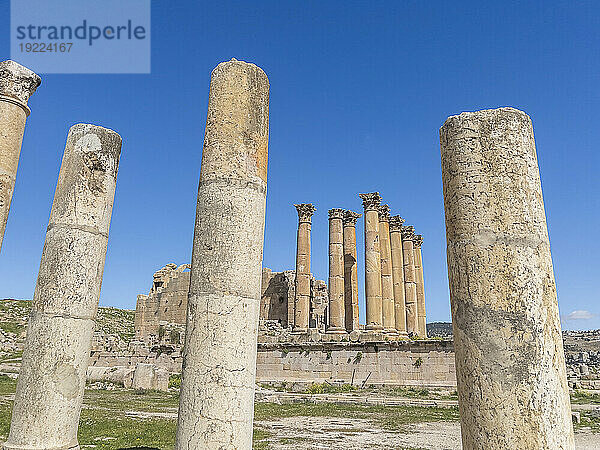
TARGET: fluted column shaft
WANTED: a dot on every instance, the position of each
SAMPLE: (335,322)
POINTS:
(17,84)
(337,322)
(61,324)
(398,273)
(410,280)
(302,283)
(510,366)
(350,271)
(387,284)
(216,405)
(421,317)
(374,310)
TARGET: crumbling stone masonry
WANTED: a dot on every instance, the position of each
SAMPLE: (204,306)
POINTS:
(337,323)
(410,279)
(17,84)
(59,335)
(302,300)
(387,285)
(217,390)
(421,316)
(374,312)
(166,303)
(512,386)
(350,271)
(398,273)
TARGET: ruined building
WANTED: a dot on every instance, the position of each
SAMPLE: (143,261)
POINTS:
(160,315)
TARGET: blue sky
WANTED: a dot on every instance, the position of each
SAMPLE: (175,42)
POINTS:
(358,93)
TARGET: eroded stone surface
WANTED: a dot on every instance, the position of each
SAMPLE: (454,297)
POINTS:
(217,389)
(59,336)
(410,279)
(398,273)
(350,271)
(302,300)
(420,283)
(512,385)
(387,285)
(337,322)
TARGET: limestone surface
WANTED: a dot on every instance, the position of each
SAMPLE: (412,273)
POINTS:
(387,284)
(337,323)
(302,300)
(59,335)
(398,273)
(410,279)
(512,386)
(17,84)
(350,271)
(217,388)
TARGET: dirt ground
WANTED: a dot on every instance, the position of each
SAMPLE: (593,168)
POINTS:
(323,433)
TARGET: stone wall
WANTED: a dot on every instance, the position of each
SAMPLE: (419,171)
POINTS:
(413,363)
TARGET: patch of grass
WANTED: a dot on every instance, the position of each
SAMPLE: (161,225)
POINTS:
(175,380)
(388,417)
(259,439)
(7,385)
(582,397)
(12,327)
(589,420)
(326,388)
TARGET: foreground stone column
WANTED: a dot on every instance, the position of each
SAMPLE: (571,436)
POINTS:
(374,310)
(216,407)
(410,279)
(337,322)
(510,367)
(17,84)
(387,285)
(421,319)
(350,271)
(59,335)
(398,274)
(302,299)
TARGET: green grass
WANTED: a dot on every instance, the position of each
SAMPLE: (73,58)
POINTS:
(326,388)
(582,397)
(7,385)
(12,327)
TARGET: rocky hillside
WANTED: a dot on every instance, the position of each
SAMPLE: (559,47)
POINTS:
(13,324)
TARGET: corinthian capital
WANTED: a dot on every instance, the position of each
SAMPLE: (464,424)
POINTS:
(384,213)
(17,83)
(371,201)
(336,213)
(418,240)
(408,233)
(350,218)
(305,211)
(396,223)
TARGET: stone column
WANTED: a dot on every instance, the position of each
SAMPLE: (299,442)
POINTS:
(17,84)
(410,279)
(371,203)
(216,407)
(59,335)
(398,273)
(510,366)
(421,319)
(337,322)
(387,285)
(350,271)
(302,294)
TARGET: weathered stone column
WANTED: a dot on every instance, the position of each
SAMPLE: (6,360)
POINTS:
(302,299)
(374,310)
(337,322)
(410,279)
(421,319)
(387,285)
(398,273)
(59,335)
(350,271)
(216,407)
(17,84)
(510,366)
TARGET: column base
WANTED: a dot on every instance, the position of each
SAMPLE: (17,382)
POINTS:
(336,330)
(402,335)
(390,331)
(374,328)
(299,330)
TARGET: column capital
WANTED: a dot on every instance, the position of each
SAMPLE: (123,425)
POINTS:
(408,233)
(384,213)
(396,223)
(305,211)
(350,218)
(371,201)
(17,83)
(336,213)
(418,240)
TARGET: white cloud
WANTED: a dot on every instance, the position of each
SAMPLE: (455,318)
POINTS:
(579,315)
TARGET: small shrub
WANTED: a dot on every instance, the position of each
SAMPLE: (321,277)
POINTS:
(358,357)
(418,362)
(175,380)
